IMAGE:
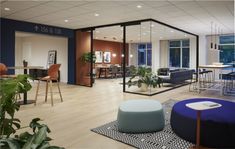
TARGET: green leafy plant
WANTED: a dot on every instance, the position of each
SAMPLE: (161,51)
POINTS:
(144,75)
(88,57)
(9,88)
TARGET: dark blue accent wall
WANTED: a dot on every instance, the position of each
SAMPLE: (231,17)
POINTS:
(7,41)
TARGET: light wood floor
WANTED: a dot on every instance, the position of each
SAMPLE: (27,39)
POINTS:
(85,108)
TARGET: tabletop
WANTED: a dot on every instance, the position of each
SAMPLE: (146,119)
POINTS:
(215,66)
(27,67)
(203,105)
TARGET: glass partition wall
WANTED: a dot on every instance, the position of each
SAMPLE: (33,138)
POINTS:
(153,57)
(161,58)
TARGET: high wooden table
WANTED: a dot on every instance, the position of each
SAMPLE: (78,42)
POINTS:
(26,101)
(200,106)
(214,68)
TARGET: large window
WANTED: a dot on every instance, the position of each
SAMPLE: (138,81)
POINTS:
(145,54)
(179,53)
(227,47)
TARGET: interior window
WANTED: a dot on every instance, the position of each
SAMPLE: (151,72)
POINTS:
(179,53)
(227,49)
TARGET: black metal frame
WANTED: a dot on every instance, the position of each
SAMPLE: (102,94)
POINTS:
(137,22)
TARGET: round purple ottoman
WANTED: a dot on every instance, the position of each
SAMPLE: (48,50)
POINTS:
(217,125)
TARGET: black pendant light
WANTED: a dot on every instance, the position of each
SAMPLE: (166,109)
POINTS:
(219,32)
(215,38)
(211,34)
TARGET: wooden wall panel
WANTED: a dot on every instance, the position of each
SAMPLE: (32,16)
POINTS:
(83,45)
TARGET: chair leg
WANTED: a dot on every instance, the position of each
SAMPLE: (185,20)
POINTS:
(59,91)
(51,93)
(36,96)
(46,91)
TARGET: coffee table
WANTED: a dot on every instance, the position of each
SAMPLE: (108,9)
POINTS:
(200,106)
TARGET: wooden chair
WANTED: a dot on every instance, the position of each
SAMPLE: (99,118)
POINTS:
(52,77)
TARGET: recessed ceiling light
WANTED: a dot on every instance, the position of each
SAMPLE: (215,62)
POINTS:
(185,35)
(139,6)
(152,25)
(7,9)
(172,31)
(66,20)
(96,14)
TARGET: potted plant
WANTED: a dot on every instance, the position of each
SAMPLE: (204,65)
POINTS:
(144,78)
(88,58)
(9,88)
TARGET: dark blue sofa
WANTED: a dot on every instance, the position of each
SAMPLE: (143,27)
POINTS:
(178,76)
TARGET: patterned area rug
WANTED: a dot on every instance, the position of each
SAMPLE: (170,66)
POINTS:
(165,139)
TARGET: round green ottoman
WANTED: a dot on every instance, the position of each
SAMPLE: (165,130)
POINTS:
(140,116)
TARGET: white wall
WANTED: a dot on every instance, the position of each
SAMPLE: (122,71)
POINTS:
(156,54)
(164,51)
(193,53)
(34,49)
(18,53)
(203,50)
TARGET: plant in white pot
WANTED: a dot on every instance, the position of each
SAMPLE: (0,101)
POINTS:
(144,78)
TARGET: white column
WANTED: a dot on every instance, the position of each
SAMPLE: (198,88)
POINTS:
(203,50)
(155,55)
(193,52)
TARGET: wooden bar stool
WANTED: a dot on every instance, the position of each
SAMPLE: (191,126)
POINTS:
(52,77)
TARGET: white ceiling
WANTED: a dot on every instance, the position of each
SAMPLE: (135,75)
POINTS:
(145,32)
(192,16)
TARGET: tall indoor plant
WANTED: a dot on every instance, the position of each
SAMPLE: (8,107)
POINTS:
(9,88)
(88,58)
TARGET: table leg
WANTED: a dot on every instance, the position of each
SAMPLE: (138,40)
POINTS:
(100,71)
(25,93)
(105,73)
(198,129)
(25,100)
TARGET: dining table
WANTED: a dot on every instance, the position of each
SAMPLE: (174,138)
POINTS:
(26,68)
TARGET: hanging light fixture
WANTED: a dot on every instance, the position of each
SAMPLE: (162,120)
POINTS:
(221,33)
(215,38)
(211,34)
(218,37)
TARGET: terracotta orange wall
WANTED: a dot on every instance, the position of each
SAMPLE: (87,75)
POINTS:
(113,47)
